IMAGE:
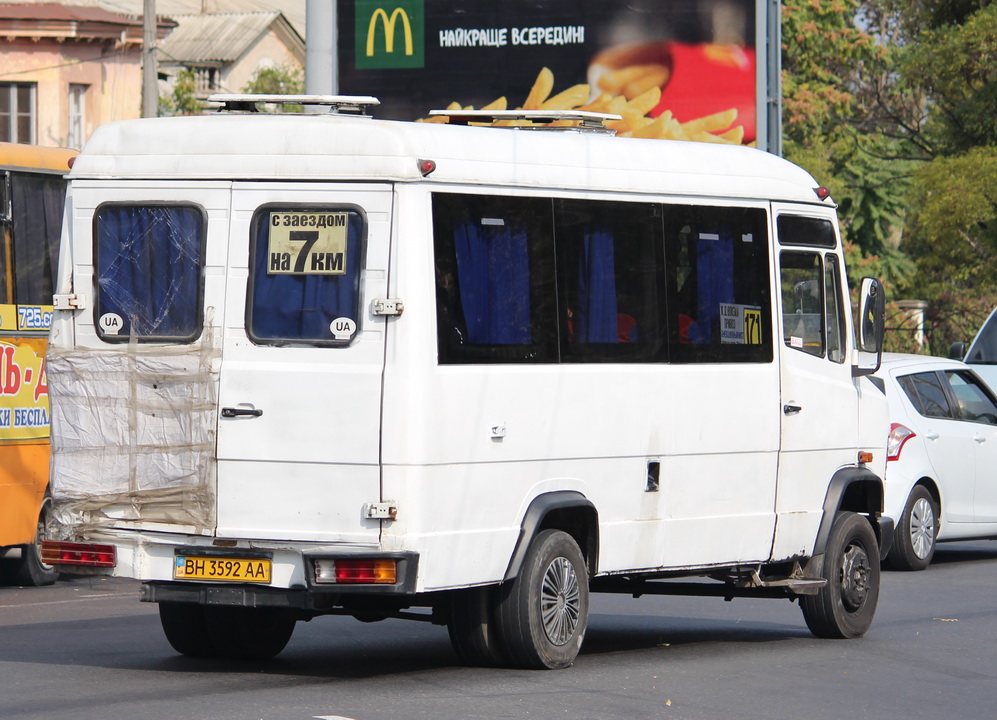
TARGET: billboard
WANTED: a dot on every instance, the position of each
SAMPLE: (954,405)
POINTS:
(680,67)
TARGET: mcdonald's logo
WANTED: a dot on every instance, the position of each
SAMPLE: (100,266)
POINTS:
(390,34)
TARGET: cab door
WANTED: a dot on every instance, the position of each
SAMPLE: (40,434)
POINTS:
(819,399)
(302,357)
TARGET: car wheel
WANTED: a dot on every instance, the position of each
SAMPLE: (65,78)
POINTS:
(543,613)
(845,606)
(914,539)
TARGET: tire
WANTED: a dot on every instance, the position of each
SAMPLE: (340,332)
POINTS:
(845,606)
(30,570)
(186,629)
(542,614)
(473,634)
(242,633)
(914,538)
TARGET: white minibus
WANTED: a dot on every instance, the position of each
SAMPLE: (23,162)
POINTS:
(320,363)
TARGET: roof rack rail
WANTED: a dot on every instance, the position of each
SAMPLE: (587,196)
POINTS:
(589,121)
(351,104)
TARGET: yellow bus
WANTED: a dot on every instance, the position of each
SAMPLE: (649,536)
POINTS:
(32,195)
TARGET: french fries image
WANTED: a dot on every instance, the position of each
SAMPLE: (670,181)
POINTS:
(631,93)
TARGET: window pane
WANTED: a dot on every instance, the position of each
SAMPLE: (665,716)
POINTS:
(149,263)
(496,294)
(803,302)
(927,393)
(306,266)
(36,205)
(834,310)
(795,230)
(975,403)
(610,281)
(719,307)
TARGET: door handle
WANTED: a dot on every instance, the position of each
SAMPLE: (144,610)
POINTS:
(241,412)
(791,409)
(932,435)
(979,438)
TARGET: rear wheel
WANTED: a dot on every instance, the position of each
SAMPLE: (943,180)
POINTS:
(185,629)
(914,539)
(472,627)
(30,570)
(236,633)
(248,633)
(844,608)
(543,613)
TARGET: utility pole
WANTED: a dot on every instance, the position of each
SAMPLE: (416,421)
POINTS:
(150,70)
(321,59)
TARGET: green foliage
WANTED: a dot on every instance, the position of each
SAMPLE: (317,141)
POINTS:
(277,80)
(182,100)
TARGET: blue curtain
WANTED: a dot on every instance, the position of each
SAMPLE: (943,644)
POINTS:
(149,268)
(302,307)
(493,274)
(595,318)
(715,283)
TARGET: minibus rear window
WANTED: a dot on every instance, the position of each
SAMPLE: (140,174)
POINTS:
(149,261)
(305,271)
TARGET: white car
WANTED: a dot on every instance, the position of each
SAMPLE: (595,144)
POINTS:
(941,471)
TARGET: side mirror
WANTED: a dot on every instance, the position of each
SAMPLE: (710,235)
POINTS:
(872,327)
(957,351)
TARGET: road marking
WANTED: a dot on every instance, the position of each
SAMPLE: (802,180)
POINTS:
(64,602)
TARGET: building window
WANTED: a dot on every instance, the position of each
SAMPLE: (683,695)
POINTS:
(77,115)
(17,112)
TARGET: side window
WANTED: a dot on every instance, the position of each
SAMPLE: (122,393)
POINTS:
(834,309)
(149,261)
(495,288)
(803,304)
(610,281)
(975,403)
(36,203)
(719,307)
(927,393)
(305,266)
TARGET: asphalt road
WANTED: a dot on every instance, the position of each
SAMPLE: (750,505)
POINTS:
(87,649)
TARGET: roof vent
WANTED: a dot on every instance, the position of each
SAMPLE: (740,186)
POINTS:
(531,119)
(336,104)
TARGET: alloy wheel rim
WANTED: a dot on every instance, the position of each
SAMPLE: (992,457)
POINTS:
(560,601)
(922,528)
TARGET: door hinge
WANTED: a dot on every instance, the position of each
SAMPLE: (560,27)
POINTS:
(386,306)
(380,510)
(69,301)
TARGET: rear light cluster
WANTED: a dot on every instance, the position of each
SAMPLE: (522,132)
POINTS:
(899,434)
(55,552)
(367,571)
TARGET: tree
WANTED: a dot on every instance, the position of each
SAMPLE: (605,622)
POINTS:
(182,99)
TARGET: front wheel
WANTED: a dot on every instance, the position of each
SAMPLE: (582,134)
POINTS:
(542,614)
(845,606)
(914,539)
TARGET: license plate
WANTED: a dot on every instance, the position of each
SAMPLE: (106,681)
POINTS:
(233,569)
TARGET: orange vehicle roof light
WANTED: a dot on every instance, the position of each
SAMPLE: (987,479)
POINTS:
(55,552)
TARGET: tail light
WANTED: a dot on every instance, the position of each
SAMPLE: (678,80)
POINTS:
(377,571)
(899,434)
(56,552)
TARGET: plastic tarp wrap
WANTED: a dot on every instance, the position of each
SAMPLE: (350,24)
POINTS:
(133,434)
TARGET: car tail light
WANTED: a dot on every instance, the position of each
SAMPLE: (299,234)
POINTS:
(376,571)
(55,552)
(899,434)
